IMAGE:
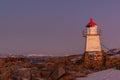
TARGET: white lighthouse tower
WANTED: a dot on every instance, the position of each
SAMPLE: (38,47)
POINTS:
(93,52)
(92,37)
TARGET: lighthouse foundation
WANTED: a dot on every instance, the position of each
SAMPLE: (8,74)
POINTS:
(95,59)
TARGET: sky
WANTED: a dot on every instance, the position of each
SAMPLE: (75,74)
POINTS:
(54,27)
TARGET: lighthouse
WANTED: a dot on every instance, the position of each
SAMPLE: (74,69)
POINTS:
(93,54)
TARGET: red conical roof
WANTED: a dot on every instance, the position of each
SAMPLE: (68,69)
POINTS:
(91,23)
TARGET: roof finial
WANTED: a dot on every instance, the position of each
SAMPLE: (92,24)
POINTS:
(91,20)
(91,23)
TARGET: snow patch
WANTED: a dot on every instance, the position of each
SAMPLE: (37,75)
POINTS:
(110,74)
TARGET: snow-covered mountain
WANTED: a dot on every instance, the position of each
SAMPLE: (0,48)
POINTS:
(114,51)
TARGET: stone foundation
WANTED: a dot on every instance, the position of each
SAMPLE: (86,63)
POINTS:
(95,61)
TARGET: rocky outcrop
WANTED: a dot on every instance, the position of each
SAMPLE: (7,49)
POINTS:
(58,68)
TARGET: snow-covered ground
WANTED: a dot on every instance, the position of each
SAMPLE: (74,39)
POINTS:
(110,74)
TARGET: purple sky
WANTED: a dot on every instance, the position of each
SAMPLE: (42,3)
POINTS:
(54,27)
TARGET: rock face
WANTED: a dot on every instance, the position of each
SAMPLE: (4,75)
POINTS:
(58,68)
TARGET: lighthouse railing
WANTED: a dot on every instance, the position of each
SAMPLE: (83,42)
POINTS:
(84,32)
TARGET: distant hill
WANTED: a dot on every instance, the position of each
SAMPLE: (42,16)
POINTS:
(114,51)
